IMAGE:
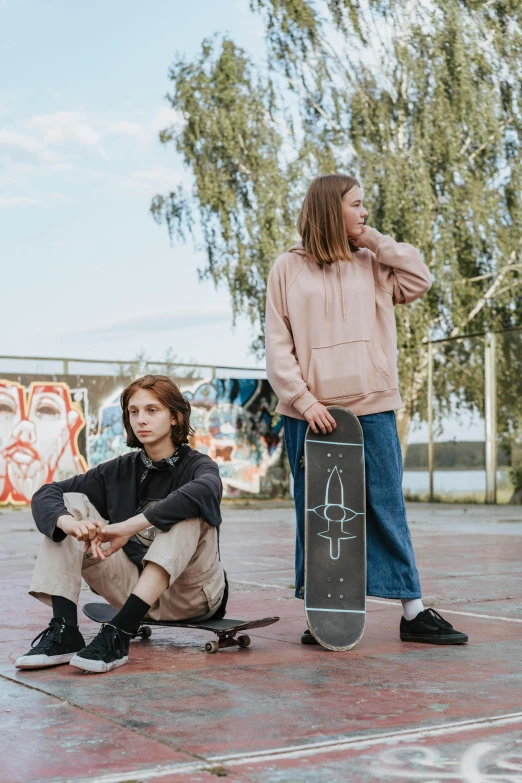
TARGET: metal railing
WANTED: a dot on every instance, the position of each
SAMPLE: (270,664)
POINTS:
(490,393)
(66,361)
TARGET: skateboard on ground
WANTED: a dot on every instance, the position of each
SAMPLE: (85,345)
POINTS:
(225,630)
(335,532)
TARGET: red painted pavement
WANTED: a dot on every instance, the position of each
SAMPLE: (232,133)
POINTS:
(175,713)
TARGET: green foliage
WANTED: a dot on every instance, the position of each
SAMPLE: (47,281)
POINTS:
(243,190)
(421,101)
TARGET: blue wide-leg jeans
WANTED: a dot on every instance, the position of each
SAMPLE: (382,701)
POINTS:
(391,569)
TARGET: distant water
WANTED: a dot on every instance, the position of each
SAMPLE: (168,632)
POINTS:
(455,481)
(458,482)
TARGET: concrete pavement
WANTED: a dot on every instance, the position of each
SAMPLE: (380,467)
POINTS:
(279,712)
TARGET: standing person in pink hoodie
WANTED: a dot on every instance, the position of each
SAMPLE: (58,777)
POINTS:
(331,340)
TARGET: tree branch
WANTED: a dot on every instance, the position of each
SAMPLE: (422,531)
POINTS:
(483,146)
(489,274)
(491,292)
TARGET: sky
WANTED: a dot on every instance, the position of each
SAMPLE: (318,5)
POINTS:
(86,272)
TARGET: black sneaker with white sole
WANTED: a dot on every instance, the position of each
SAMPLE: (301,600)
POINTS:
(430,628)
(56,644)
(108,650)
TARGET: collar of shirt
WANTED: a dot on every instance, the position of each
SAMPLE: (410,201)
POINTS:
(164,464)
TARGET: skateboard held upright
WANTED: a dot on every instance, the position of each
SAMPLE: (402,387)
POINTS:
(335,533)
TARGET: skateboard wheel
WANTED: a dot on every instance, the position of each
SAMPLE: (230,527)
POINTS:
(145,632)
(243,641)
(212,647)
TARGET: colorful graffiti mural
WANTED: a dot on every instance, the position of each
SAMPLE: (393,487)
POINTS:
(234,423)
(47,434)
(106,436)
(39,430)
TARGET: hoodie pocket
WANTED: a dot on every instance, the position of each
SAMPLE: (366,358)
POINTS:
(346,370)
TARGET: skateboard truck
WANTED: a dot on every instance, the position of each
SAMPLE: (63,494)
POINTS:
(225,638)
(228,640)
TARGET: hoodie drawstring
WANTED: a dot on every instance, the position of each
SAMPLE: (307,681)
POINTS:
(342,289)
(325,293)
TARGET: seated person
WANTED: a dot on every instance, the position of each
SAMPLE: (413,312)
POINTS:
(141,529)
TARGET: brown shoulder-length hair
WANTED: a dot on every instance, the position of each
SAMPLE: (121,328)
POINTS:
(168,393)
(321,223)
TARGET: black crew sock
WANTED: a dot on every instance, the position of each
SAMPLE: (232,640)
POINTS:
(131,614)
(64,607)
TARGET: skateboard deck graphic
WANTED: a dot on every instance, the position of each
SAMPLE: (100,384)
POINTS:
(335,532)
(225,629)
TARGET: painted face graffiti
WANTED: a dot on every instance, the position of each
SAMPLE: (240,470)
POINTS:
(38,438)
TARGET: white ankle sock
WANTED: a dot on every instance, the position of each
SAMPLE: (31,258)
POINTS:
(411,607)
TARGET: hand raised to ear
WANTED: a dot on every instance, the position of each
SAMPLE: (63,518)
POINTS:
(369,237)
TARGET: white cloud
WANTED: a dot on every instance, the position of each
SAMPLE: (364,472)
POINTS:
(49,200)
(44,165)
(51,139)
(128,128)
(49,142)
(58,197)
(27,149)
(19,141)
(65,126)
(157,178)
(60,141)
(6,202)
(30,149)
(164,118)
(147,132)
(160,322)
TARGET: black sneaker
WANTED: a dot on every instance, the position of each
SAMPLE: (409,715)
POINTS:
(108,649)
(430,628)
(307,638)
(58,644)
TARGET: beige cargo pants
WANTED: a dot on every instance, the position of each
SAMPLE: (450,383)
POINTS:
(188,552)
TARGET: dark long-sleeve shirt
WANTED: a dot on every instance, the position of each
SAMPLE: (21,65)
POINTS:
(114,489)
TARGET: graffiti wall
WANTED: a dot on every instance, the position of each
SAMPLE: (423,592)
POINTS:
(39,443)
(235,424)
(52,429)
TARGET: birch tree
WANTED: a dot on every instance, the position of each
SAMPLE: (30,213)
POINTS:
(422,102)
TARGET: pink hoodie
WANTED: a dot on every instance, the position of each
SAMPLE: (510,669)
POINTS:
(330,332)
